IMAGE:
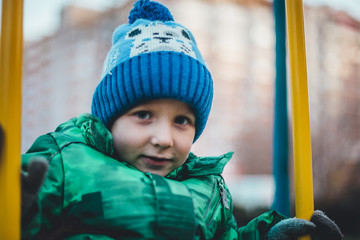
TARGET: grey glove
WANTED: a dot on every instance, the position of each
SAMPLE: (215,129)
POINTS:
(325,227)
(320,227)
(31,183)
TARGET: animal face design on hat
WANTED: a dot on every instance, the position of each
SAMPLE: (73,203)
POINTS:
(156,37)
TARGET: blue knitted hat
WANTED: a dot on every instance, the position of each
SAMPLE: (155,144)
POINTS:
(153,57)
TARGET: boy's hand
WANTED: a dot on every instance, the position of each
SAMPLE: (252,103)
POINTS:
(320,227)
(325,227)
(31,183)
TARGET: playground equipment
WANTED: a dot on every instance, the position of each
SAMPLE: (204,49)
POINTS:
(304,204)
(281,201)
(300,112)
(10,117)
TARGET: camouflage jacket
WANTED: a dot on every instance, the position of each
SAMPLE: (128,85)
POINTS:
(87,194)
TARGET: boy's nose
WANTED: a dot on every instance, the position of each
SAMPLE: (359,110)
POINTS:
(162,136)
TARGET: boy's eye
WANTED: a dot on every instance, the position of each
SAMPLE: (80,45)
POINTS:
(182,120)
(145,115)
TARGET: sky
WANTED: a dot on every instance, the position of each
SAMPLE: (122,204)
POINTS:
(42,17)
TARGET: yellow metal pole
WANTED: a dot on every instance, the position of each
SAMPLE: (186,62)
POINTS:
(10,117)
(304,203)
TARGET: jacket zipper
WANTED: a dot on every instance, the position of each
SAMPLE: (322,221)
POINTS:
(223,194)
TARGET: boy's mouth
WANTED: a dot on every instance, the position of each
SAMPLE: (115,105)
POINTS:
(156,161)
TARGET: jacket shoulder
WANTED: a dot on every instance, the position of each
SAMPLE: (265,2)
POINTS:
(85,129)
(44,146)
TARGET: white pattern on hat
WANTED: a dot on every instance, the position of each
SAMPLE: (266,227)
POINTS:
(160,37)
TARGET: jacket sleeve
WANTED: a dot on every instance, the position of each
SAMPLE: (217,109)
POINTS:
(258,228)
(43,210)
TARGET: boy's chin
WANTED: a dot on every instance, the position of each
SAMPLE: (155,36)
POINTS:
(159,172)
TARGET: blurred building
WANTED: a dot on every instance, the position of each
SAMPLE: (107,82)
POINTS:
(61,71)
(333,71)
(237,42)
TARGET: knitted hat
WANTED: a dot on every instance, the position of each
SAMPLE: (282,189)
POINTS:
(153,57)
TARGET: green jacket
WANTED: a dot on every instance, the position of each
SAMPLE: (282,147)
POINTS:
(87,194)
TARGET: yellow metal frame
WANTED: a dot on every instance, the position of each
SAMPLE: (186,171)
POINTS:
(304,203)
(10,117)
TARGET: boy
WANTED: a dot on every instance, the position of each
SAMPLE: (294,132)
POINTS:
(126,171)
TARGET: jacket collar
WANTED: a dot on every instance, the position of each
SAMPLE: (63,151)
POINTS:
(200,166)
(94,132)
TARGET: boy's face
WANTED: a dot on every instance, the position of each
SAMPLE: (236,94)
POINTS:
(156,136)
